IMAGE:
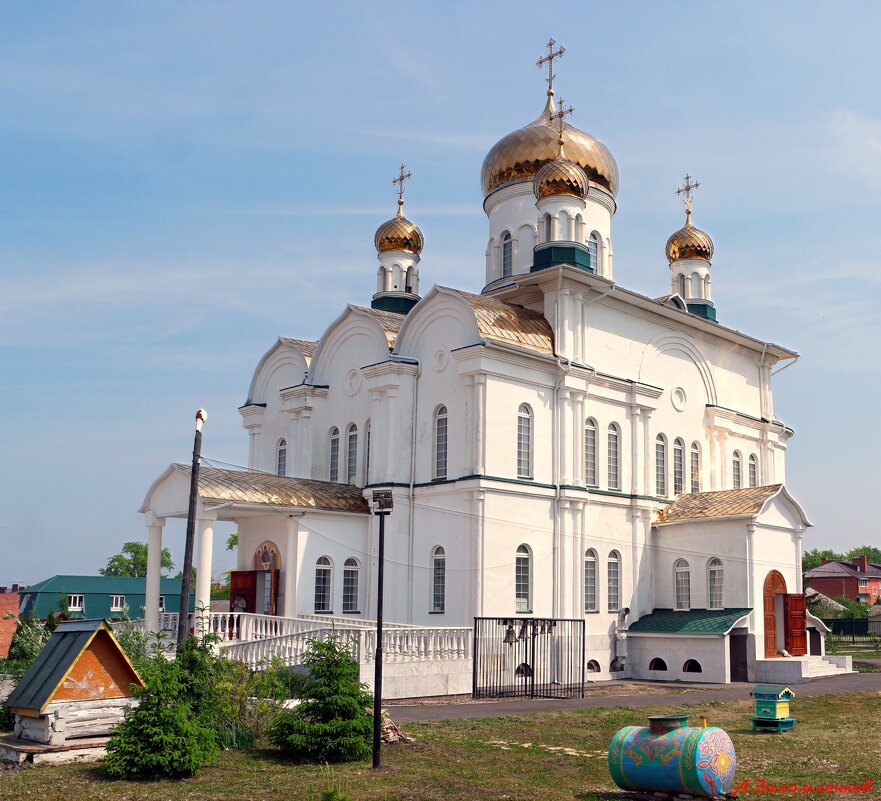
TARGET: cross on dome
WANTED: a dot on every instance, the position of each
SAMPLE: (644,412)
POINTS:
(687,188)
(402,176)
(560,116)
(549,60)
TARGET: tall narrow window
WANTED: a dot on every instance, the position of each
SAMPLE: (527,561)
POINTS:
(682,579)
(323,581)
(695,467)
(440,442)
(367,453)
(548,228)
(736,480)
(438,580)
(660,466)
(524,441)
(522,578)
(590,453)
(507,255)
(678,466)
(614,581)
(590,581)
(682,293)
(334,456)
(593,252)
(281,460)
(350,585)
(753,470)
(715,583)
(352,454)
(614,457)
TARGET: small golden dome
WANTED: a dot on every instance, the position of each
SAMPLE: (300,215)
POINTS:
(689,243)
(399,234)
(560,177)
(521,154)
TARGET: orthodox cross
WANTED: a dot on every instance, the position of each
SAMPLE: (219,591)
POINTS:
(403,176)
(561,114)
(549,60)
(687,189)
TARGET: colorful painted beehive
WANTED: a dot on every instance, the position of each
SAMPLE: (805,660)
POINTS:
(670,756)
(772,708)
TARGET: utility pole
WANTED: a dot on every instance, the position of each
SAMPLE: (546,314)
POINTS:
(183,616)
(382,507)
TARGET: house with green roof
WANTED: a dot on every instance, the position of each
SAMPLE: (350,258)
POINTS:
(98,597)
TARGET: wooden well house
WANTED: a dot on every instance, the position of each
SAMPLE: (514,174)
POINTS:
(79,686)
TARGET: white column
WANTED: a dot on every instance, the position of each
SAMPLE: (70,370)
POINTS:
(154,569)
(203,574)
(290,568)
(477,522)
(479,425)
(565,437)
(636,471)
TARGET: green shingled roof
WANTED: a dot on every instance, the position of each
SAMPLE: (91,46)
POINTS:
(693,621)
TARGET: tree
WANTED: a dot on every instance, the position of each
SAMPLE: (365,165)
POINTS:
(873,554)
(132,561)
(814,558)
(232,541)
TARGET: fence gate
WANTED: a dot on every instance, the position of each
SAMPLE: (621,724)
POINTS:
(528,658)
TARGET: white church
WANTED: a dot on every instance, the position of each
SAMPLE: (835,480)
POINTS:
(557,446)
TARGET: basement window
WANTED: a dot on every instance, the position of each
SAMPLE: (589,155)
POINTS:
(692,666)
(657,664)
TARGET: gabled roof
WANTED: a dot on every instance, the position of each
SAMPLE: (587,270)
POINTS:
(46,676)
(390,322)
(692,621)
(509,324)
(746,502)
(241,486)
(836,568)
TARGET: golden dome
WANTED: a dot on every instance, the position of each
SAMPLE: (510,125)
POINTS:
(560,177)
(689,243)
(521,154)
(399,234)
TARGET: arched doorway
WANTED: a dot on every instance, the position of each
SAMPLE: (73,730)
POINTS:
(774,585)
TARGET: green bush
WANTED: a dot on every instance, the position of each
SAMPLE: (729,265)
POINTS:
(331,723)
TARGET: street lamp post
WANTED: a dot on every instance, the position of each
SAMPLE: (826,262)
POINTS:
(183,616)
(382,507)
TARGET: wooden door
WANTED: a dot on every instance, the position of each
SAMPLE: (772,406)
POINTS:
(243,584)
(774,585)
(796,619)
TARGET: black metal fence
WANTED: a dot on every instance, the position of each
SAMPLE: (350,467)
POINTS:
(853,629)
(528,658)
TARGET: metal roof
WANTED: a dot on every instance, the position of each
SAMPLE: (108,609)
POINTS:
(746,502)
(390,321)
(42,679)
(691,621)
(773,690)
(114,585)
(837,568)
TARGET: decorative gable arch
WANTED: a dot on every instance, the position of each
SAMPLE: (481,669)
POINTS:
(676,343)
(284,365)
(440,304)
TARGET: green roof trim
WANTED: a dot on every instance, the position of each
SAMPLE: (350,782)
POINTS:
(692,621)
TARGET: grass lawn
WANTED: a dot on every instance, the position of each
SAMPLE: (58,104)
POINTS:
(548,756)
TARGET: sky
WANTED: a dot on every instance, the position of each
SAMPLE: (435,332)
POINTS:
(181,183)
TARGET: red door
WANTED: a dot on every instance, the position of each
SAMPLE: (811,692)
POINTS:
(796,632)
(242,590)
(775,585)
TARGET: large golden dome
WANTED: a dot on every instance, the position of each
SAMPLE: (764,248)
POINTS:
(689,243)
(521,154)
(399,234)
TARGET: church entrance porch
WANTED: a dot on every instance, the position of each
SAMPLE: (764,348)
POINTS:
(785,618)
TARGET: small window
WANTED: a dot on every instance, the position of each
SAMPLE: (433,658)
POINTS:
(161,603)
(524,441)
(614,457)
(590,581)
(660,466)
(334,457)
(438,580)
(281,461)
(678,466)
(736,480)
(75,603)
(682,287)
(352,454)
(117,603)
(657,664)
(682,580)
(351,569)
(522,583)
(695,467)
(590,452)
(692,666)
(593,666)
(613,595)
(549,230)
(507,255)
(323,581)
(715,583)
(440,443)
(753,470)
(593,252)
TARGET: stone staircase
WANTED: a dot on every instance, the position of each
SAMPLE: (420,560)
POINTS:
(801,669)
(817,666)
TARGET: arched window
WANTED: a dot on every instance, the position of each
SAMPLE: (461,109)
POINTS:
(715,583)
(678,466)
(593,666)
(367,452)
(736,478)
(614,457)
(323,584)
(657,664)
(660,465)
(548,227)
(753,470)
(440,442)
(590,453)
(593,252)
(614,581)
(695,467)
(281,461)
(438,580)
(350,585)
(507,255)
(682,285)
(523,579)
(334,457)
(352,454)
(524,441)
(590,581)
(682,582)
(692,666)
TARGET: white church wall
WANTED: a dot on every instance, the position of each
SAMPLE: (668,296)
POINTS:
(710,652)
